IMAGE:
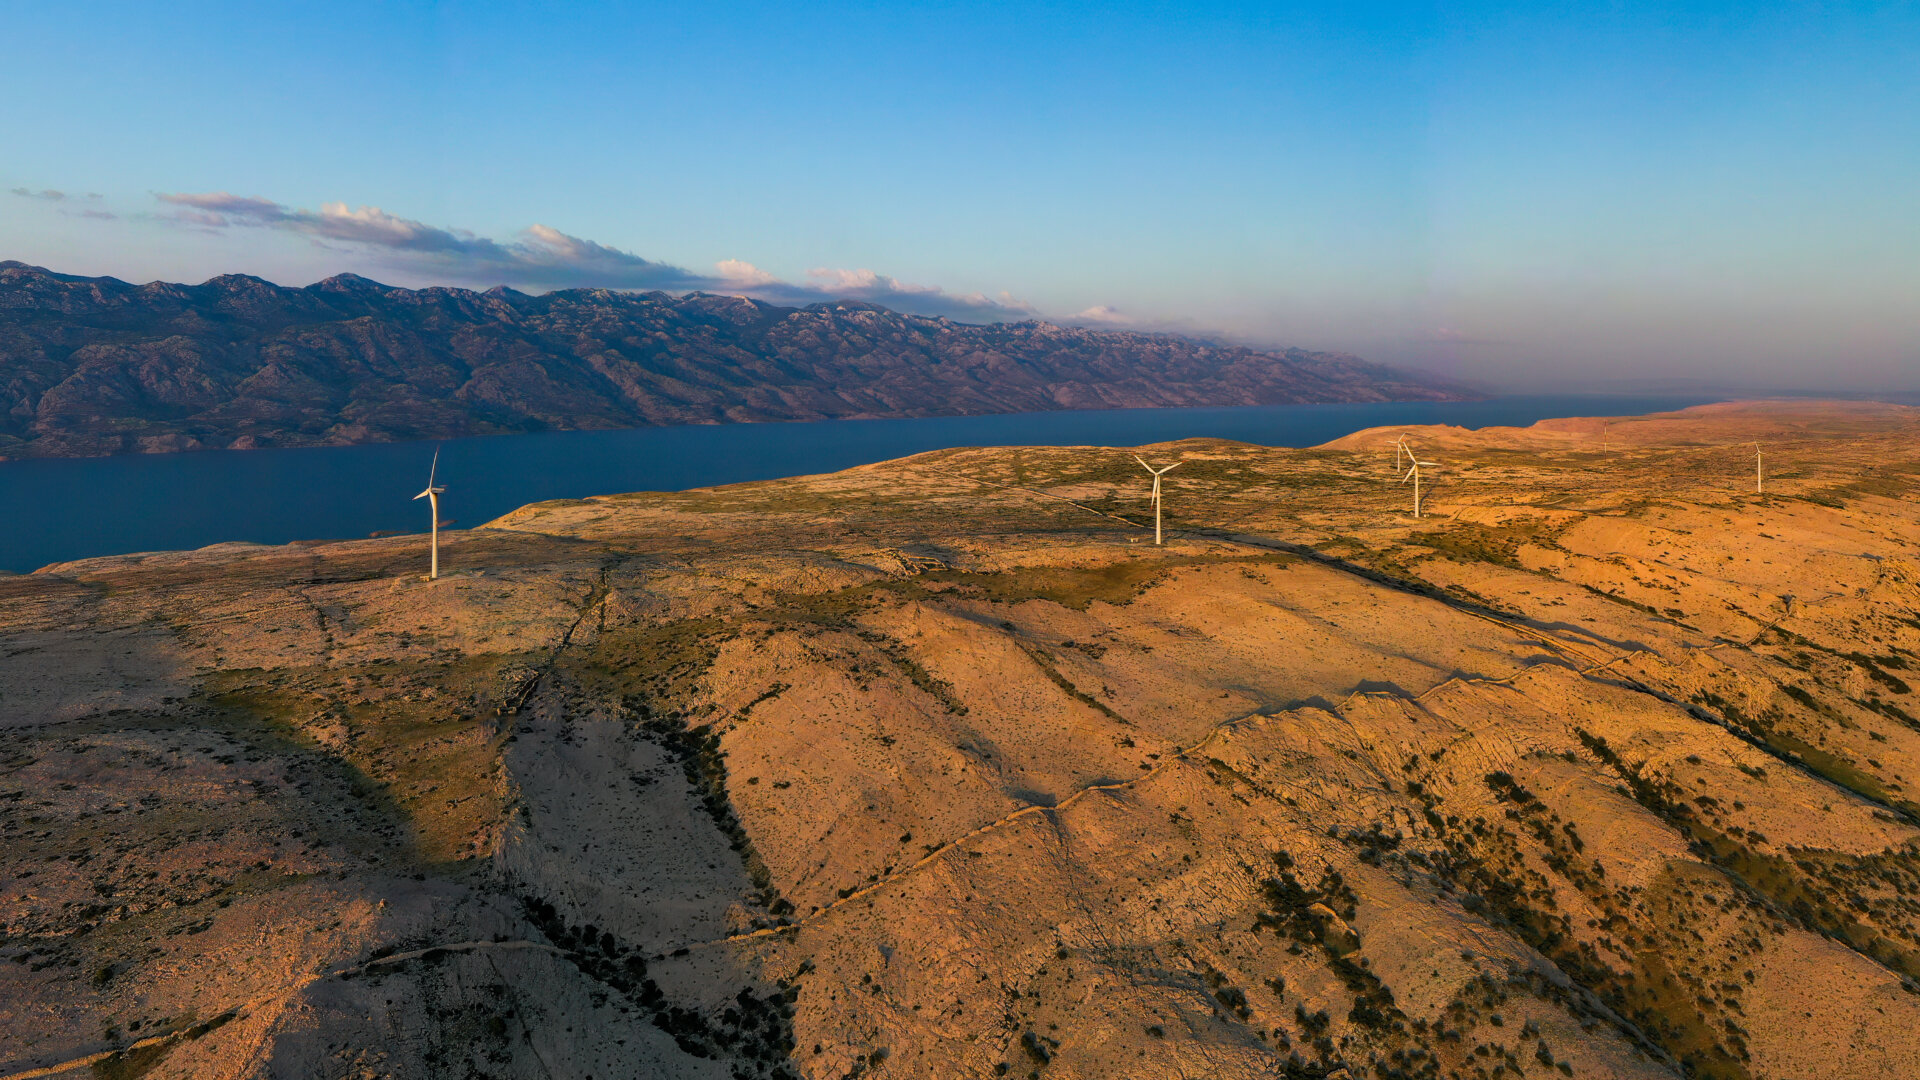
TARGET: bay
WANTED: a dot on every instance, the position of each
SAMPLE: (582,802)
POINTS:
(60,510)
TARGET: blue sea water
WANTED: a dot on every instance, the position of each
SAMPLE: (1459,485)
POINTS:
(71,509)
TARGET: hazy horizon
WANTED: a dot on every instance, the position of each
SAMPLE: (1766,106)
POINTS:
(1620,198)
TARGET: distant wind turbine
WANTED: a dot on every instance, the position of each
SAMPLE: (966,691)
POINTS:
(1399,450)
(432,495)
(1157,474)
(1413,474)
(1759,476)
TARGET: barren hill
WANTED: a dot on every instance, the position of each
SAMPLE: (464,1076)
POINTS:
(939,768)
(1720,424)
(94,366)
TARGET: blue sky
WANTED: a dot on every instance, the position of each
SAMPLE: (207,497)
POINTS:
(1595,195)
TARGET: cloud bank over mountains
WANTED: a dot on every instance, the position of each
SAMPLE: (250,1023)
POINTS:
(542,258)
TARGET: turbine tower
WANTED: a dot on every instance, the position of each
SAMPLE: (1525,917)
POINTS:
(432,495)
(1157,474)
(1413,474)
(1759,476)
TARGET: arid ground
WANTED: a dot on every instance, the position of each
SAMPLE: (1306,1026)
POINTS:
(1609,766)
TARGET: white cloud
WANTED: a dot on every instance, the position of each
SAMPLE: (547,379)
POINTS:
(864,283)
(878,288)
(742,274)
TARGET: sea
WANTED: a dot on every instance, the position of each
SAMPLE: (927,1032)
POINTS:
(60,510)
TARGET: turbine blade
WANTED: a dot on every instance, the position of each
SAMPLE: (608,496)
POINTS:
(1173,466)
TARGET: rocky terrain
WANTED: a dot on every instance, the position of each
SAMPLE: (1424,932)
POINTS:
(92,366)
(1606,767)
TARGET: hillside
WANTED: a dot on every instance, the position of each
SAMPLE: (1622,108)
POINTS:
(93,366)
(938,768)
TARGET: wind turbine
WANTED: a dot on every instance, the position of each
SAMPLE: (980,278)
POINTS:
(1399,450)
(1157,474)
(432,495)
(1759,477)
(1413,474)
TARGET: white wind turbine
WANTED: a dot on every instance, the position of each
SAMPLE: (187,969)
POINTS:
(1157,474)
(1413,474)
(1400,450)
(432,495)
(1759,477)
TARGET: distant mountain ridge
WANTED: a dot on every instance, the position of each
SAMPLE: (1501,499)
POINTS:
(93,366)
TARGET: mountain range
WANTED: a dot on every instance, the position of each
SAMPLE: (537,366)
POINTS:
(94,366)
